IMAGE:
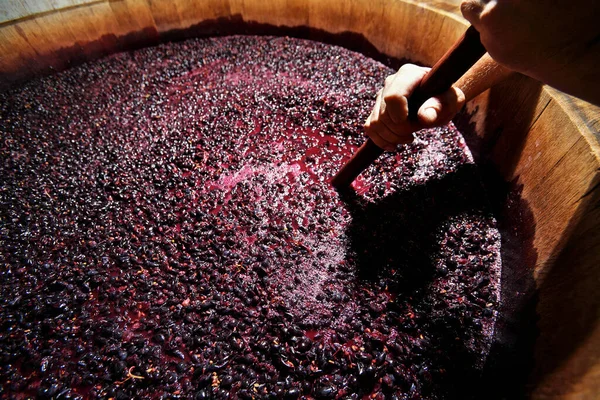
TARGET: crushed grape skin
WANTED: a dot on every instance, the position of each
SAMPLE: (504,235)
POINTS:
(168,230)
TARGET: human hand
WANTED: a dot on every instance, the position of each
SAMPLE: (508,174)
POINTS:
(389,125)
(556,43)
(514,32)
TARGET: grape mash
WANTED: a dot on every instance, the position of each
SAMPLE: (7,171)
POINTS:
(167,230)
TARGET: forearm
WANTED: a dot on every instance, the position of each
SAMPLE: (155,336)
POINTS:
(578,75)
(482,76)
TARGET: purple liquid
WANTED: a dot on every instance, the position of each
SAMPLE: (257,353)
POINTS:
(168,230)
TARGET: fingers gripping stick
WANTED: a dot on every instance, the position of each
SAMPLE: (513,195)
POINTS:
(461,56)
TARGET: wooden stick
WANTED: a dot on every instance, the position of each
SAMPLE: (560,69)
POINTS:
(461,56)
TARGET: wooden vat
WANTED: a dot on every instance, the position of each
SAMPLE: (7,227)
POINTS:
(540,141)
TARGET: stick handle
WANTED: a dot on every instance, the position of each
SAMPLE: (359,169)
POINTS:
(457,60)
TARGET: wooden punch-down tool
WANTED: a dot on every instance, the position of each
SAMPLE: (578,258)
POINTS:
(461,56)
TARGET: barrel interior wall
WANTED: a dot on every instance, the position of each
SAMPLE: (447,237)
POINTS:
(57,39)
(60,39)
(549,154)
(528,133)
